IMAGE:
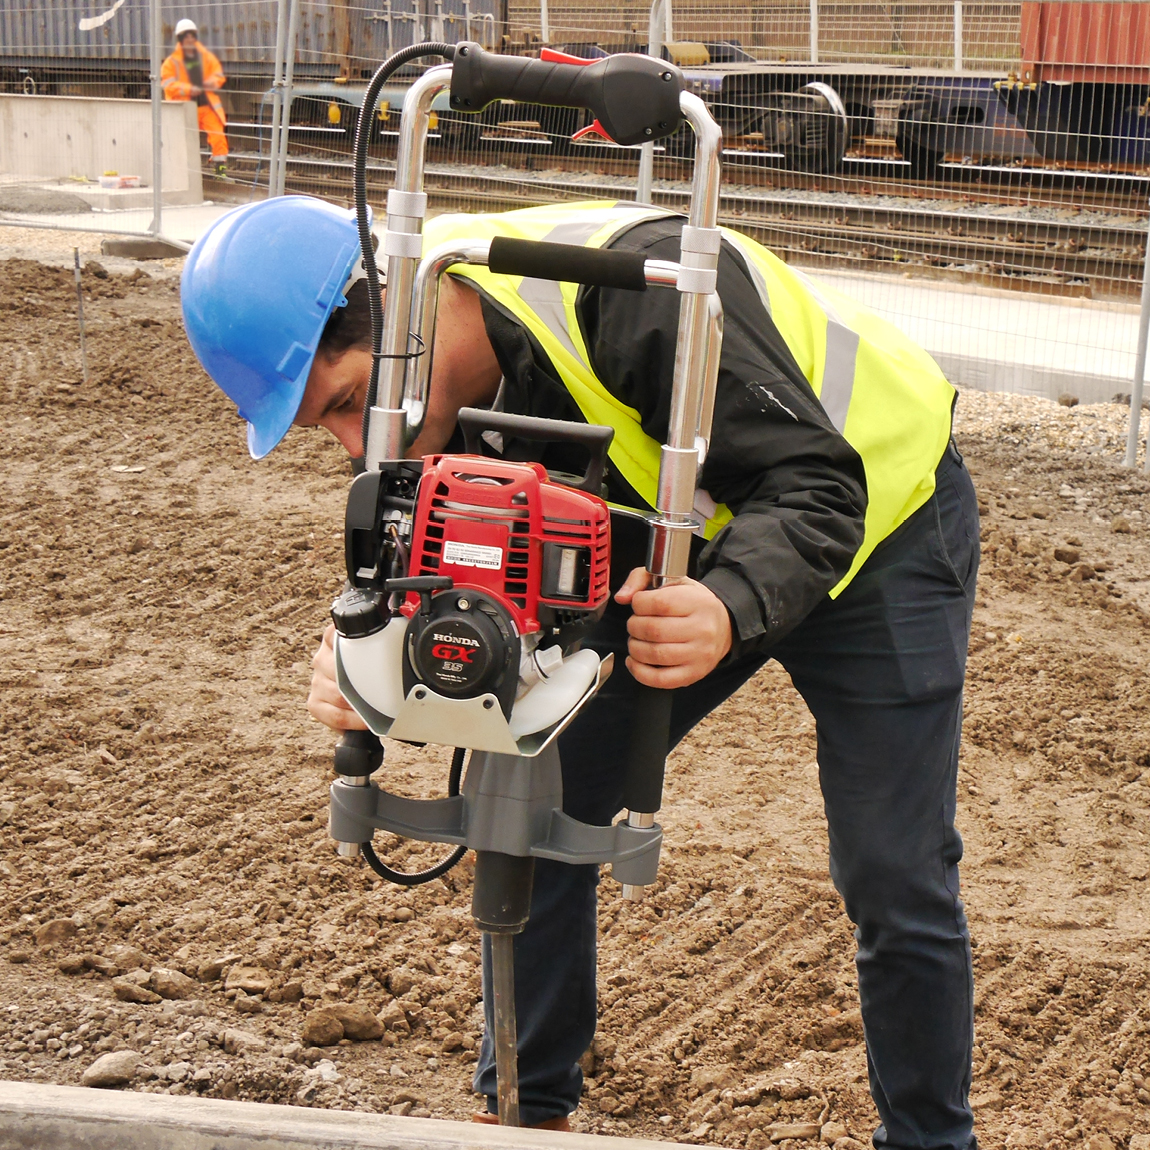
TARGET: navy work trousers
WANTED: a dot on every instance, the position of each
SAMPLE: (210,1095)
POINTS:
(881,669)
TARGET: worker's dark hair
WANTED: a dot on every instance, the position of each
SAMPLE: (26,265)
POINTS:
(348,327)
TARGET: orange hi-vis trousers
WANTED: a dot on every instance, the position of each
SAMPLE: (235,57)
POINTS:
(211,123)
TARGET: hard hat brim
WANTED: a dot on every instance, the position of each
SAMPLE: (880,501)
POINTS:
(276,422)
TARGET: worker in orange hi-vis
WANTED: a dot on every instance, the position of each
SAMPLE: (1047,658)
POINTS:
(191,72)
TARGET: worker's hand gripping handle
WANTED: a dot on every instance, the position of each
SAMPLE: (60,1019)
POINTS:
(635,98)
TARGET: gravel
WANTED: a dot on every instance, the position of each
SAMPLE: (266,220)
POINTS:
(1098,429)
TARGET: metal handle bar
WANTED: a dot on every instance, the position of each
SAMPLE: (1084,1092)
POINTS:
(595,437)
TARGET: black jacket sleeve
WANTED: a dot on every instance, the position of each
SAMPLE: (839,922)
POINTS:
(796,487)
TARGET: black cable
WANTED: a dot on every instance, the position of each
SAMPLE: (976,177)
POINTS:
(417,878)
(362,139)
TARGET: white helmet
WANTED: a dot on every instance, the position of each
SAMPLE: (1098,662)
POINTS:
(186,25)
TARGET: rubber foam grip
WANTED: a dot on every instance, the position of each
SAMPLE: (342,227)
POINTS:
(647,749)
(570,263)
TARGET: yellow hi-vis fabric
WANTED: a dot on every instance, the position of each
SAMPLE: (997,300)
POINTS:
(883,393)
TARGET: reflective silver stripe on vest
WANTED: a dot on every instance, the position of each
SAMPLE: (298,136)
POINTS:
(545,297)
(758,280)
(839,362)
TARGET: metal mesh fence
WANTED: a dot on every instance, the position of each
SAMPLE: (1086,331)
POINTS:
(977,173)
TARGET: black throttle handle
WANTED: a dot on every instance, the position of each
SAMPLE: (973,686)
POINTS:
(568,263)
(473,422)
(358,753)
(647,749)
(635,98)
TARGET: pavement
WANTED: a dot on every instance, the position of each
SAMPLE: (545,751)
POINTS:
(1016,342)
(184,222)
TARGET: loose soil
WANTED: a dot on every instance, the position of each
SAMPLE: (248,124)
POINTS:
(162,791)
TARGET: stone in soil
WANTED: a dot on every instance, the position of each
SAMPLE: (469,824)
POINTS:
(359,1024)
(128,991)
(322,1028)
(114,1069)
(172,984)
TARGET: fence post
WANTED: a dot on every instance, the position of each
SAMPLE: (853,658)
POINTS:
(814,31)
(655,23)
(155,53)
(958,45)
(544,22)
(277,97)
(1136,388)
(286,98)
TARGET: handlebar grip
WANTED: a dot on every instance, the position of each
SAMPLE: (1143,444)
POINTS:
(571,263)
(647,749)
(635,98)
(595,437)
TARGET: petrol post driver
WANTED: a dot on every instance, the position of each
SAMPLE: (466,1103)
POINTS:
(472,581)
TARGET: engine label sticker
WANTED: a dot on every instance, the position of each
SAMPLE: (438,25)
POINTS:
(472,555)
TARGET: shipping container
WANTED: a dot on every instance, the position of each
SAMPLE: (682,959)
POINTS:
(1095,41)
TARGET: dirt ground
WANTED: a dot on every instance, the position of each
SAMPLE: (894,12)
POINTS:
(162,791)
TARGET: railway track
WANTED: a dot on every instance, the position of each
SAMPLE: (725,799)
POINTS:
(1097,259)
(1070,187)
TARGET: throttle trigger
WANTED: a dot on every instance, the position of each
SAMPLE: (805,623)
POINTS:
(551,56)
(592,129)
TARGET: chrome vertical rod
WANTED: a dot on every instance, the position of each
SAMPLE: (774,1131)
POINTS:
(700,325)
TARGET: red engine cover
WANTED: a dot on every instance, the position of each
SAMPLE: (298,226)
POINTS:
(488,524)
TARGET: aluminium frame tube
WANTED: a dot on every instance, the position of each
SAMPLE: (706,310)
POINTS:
(425,304)
(403,247)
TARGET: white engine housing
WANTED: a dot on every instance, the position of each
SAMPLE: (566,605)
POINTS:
(373,669)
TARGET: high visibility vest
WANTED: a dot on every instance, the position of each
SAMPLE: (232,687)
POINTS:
(176,85)
(882,392)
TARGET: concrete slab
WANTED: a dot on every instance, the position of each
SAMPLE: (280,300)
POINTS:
(36,1117)
(117,199)
(138,248)
(1017,342)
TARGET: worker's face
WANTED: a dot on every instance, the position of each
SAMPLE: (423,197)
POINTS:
(334,397)
(189,42)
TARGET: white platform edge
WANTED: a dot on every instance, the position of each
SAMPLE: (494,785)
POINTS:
(39,1117)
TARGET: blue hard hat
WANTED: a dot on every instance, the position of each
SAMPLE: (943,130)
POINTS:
(258,287)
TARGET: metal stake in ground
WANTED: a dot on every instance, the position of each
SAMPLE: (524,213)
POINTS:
(500,905)
(80,312)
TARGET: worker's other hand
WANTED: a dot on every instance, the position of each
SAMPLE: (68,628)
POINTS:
(679,634)
(324,701)
(196,91)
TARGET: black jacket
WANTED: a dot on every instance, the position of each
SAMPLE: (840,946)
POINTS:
(796,487)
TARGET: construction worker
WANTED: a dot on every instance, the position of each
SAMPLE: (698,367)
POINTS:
(841,539)
(191,72)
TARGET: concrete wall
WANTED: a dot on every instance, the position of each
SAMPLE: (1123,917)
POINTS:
(59,136)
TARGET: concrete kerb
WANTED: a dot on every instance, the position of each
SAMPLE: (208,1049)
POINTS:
(37,1117)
